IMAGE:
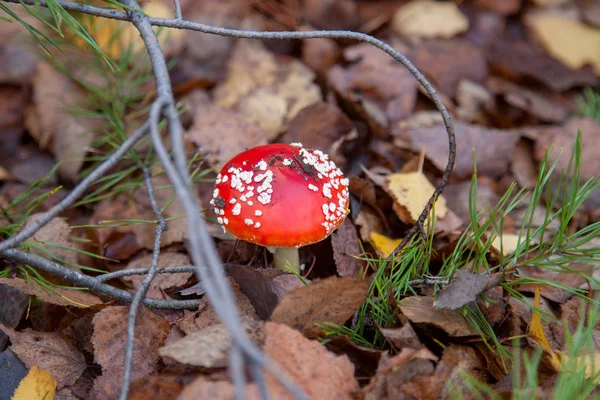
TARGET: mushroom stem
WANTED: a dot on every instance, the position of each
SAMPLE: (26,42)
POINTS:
(283,255)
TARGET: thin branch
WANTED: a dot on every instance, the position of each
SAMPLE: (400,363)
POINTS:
(140,293)
(178,9)
(91,283)
(144,271)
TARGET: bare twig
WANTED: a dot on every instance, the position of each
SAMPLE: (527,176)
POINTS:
(93,284)
(177,9)
(140,293)
(144,271)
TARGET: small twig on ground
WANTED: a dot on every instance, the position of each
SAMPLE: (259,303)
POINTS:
(92,283)
(140,293)
(144,271)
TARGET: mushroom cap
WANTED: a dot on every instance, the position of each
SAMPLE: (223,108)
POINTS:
(281,195)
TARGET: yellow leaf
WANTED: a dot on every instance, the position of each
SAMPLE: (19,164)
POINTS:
(589,362)
(536,331)
(570,41)
(383,244)
(430,19)
(39,384)
(508,244)
(411,191)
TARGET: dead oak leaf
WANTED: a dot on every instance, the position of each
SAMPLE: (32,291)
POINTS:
(493,147)
(50,351)
(330,300)
(61,297)
(420,309)
(464,288)
(110,339)
(572,42)
(429,19)
(53,238)
(346,248)
(209,347)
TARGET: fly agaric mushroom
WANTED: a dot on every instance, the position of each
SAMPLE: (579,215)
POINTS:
(282,197)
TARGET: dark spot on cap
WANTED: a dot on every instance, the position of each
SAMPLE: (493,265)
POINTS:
(220,202)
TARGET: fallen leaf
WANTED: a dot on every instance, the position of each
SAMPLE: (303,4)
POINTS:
(335,14)
(318,126)
(223,133)
(458,195)
(269,93)
(412,191)
(160,281)
(54,239)
(536,331)
(346,249)
(590,12)
(202,388)
(573,276)
(37,385)
(420,309)
(464,288)
(206,316)
(319,373)
(320,54)
(384,245)
(493,147)
(570,41)
(257,288)
(395,375)
(523,165)
(365,359)
(520,60)
(429,19)
(330,300)
(473,100)
(58,296)
(533,102)
(376,81)
(110,339)
(284,283)
(507,243)
(447,62)
(402,338)
(209,347)
(163,386)
(49,351)
(563,137)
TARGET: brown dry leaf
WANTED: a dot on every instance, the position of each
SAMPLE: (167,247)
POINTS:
(284,283)
(205,316)
(493,147)
(519,59)
(320,54)
(268,91)
(395,374)
(570,41)
(330,300)
(210,346)
(49,351)
(365,359)
(318,126)
(523,165)
(256,286)
(161,281)
(473,99)
(319,373)
(505,7)
(56,232)
(12,307)
(223,133)
(590,12)
(420,309)
(53,93)
(507,243)
(403,337)
(37,385)
(430,19)
(573,276)
(563,137)
(383,244)
(377,82)
(464,288)
(202,388)
(447,62)
(346,248)
(61,297)
(109,340)
(533,102)
(411,191)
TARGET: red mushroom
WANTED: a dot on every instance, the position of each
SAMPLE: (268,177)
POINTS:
(281,196)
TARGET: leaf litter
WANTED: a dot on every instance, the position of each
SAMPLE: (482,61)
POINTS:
(513,90)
